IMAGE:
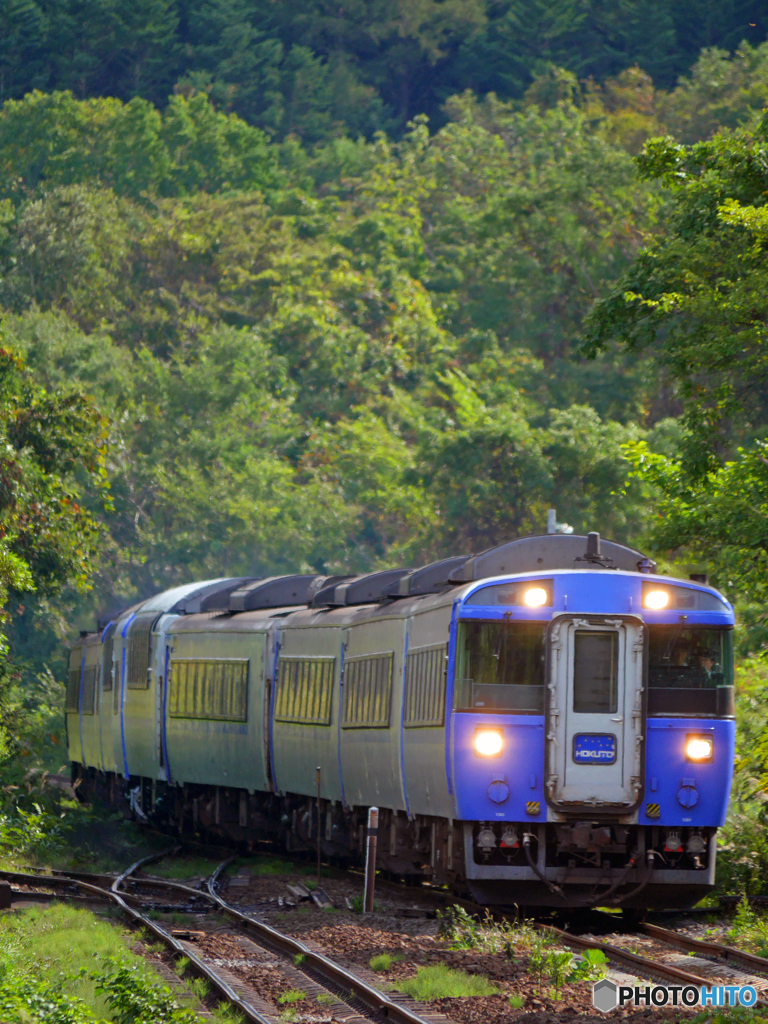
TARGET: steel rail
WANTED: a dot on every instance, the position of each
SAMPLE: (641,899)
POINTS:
(151,859)
(331,972)
(104,879)
(705,946)
(60,878)
(636,963)
(221,986)
(624,957)
(60,881)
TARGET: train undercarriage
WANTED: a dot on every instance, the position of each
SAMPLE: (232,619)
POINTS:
(566,864)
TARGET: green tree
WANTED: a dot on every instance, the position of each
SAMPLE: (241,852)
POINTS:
(47,536)
(697,293)
(720,518)
(68,251)
(697,297)
(722,91)
(53,139)
(22,28)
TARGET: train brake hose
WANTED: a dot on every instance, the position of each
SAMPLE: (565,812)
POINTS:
(593,900)
(527,837)
(639,888)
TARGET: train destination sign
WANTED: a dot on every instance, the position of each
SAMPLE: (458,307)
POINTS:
(594,748)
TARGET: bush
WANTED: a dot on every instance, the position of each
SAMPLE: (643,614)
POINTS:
(441,982)
(742,858)
(30,999)
(135,999)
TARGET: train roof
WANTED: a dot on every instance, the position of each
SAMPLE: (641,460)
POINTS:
(544,553)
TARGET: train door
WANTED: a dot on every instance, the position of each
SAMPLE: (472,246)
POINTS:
(595,712)
(106,681)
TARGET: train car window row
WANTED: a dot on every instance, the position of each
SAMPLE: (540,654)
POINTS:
(367,691)
(212,688)
(425,673)
(500,667)
(88,706)
(73,689)
(107,667)
(137,676)
(304,688)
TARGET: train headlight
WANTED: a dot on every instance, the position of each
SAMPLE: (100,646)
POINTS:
(656,599)
(535,597)
(699,748)
(488,742)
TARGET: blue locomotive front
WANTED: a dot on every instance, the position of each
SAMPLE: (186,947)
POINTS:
(592,745)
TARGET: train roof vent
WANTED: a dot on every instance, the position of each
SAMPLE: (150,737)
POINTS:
(369,589)
(325,596)
(547,552)
(323,584)
(272,592)
(429,579)
(366,589)
(213,597)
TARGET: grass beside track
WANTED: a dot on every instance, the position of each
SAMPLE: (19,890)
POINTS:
(66,965)
(442,982)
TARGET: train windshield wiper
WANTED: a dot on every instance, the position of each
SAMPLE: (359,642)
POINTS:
(672,643)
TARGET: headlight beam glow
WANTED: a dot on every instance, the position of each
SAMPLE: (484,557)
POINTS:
(657,599)
(699,748)
(488,742)
(535,597)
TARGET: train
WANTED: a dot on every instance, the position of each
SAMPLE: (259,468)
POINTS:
(546,724)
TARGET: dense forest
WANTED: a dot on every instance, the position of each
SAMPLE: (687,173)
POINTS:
(337,288)
(318,69)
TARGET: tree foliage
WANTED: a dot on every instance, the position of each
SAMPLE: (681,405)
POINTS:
(47,536)
(348,354)
(698,296)
(304,376)
(322,70)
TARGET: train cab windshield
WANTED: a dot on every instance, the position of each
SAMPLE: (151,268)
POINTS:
(687,667)
(500,667)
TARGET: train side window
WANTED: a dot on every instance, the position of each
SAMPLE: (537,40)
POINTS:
(367,691)
(89,690)
(303,691)
(117,689)
(595,672)
(500,667)
(107,667)
(215,688)
(137,674)
(73,681)
(425,687)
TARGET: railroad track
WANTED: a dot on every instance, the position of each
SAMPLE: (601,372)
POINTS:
(653,969)
(125,903)
(342,985)
(635,963)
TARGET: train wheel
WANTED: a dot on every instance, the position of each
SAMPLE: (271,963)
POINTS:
(632,916)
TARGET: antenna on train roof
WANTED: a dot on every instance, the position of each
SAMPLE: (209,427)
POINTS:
(593,553)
